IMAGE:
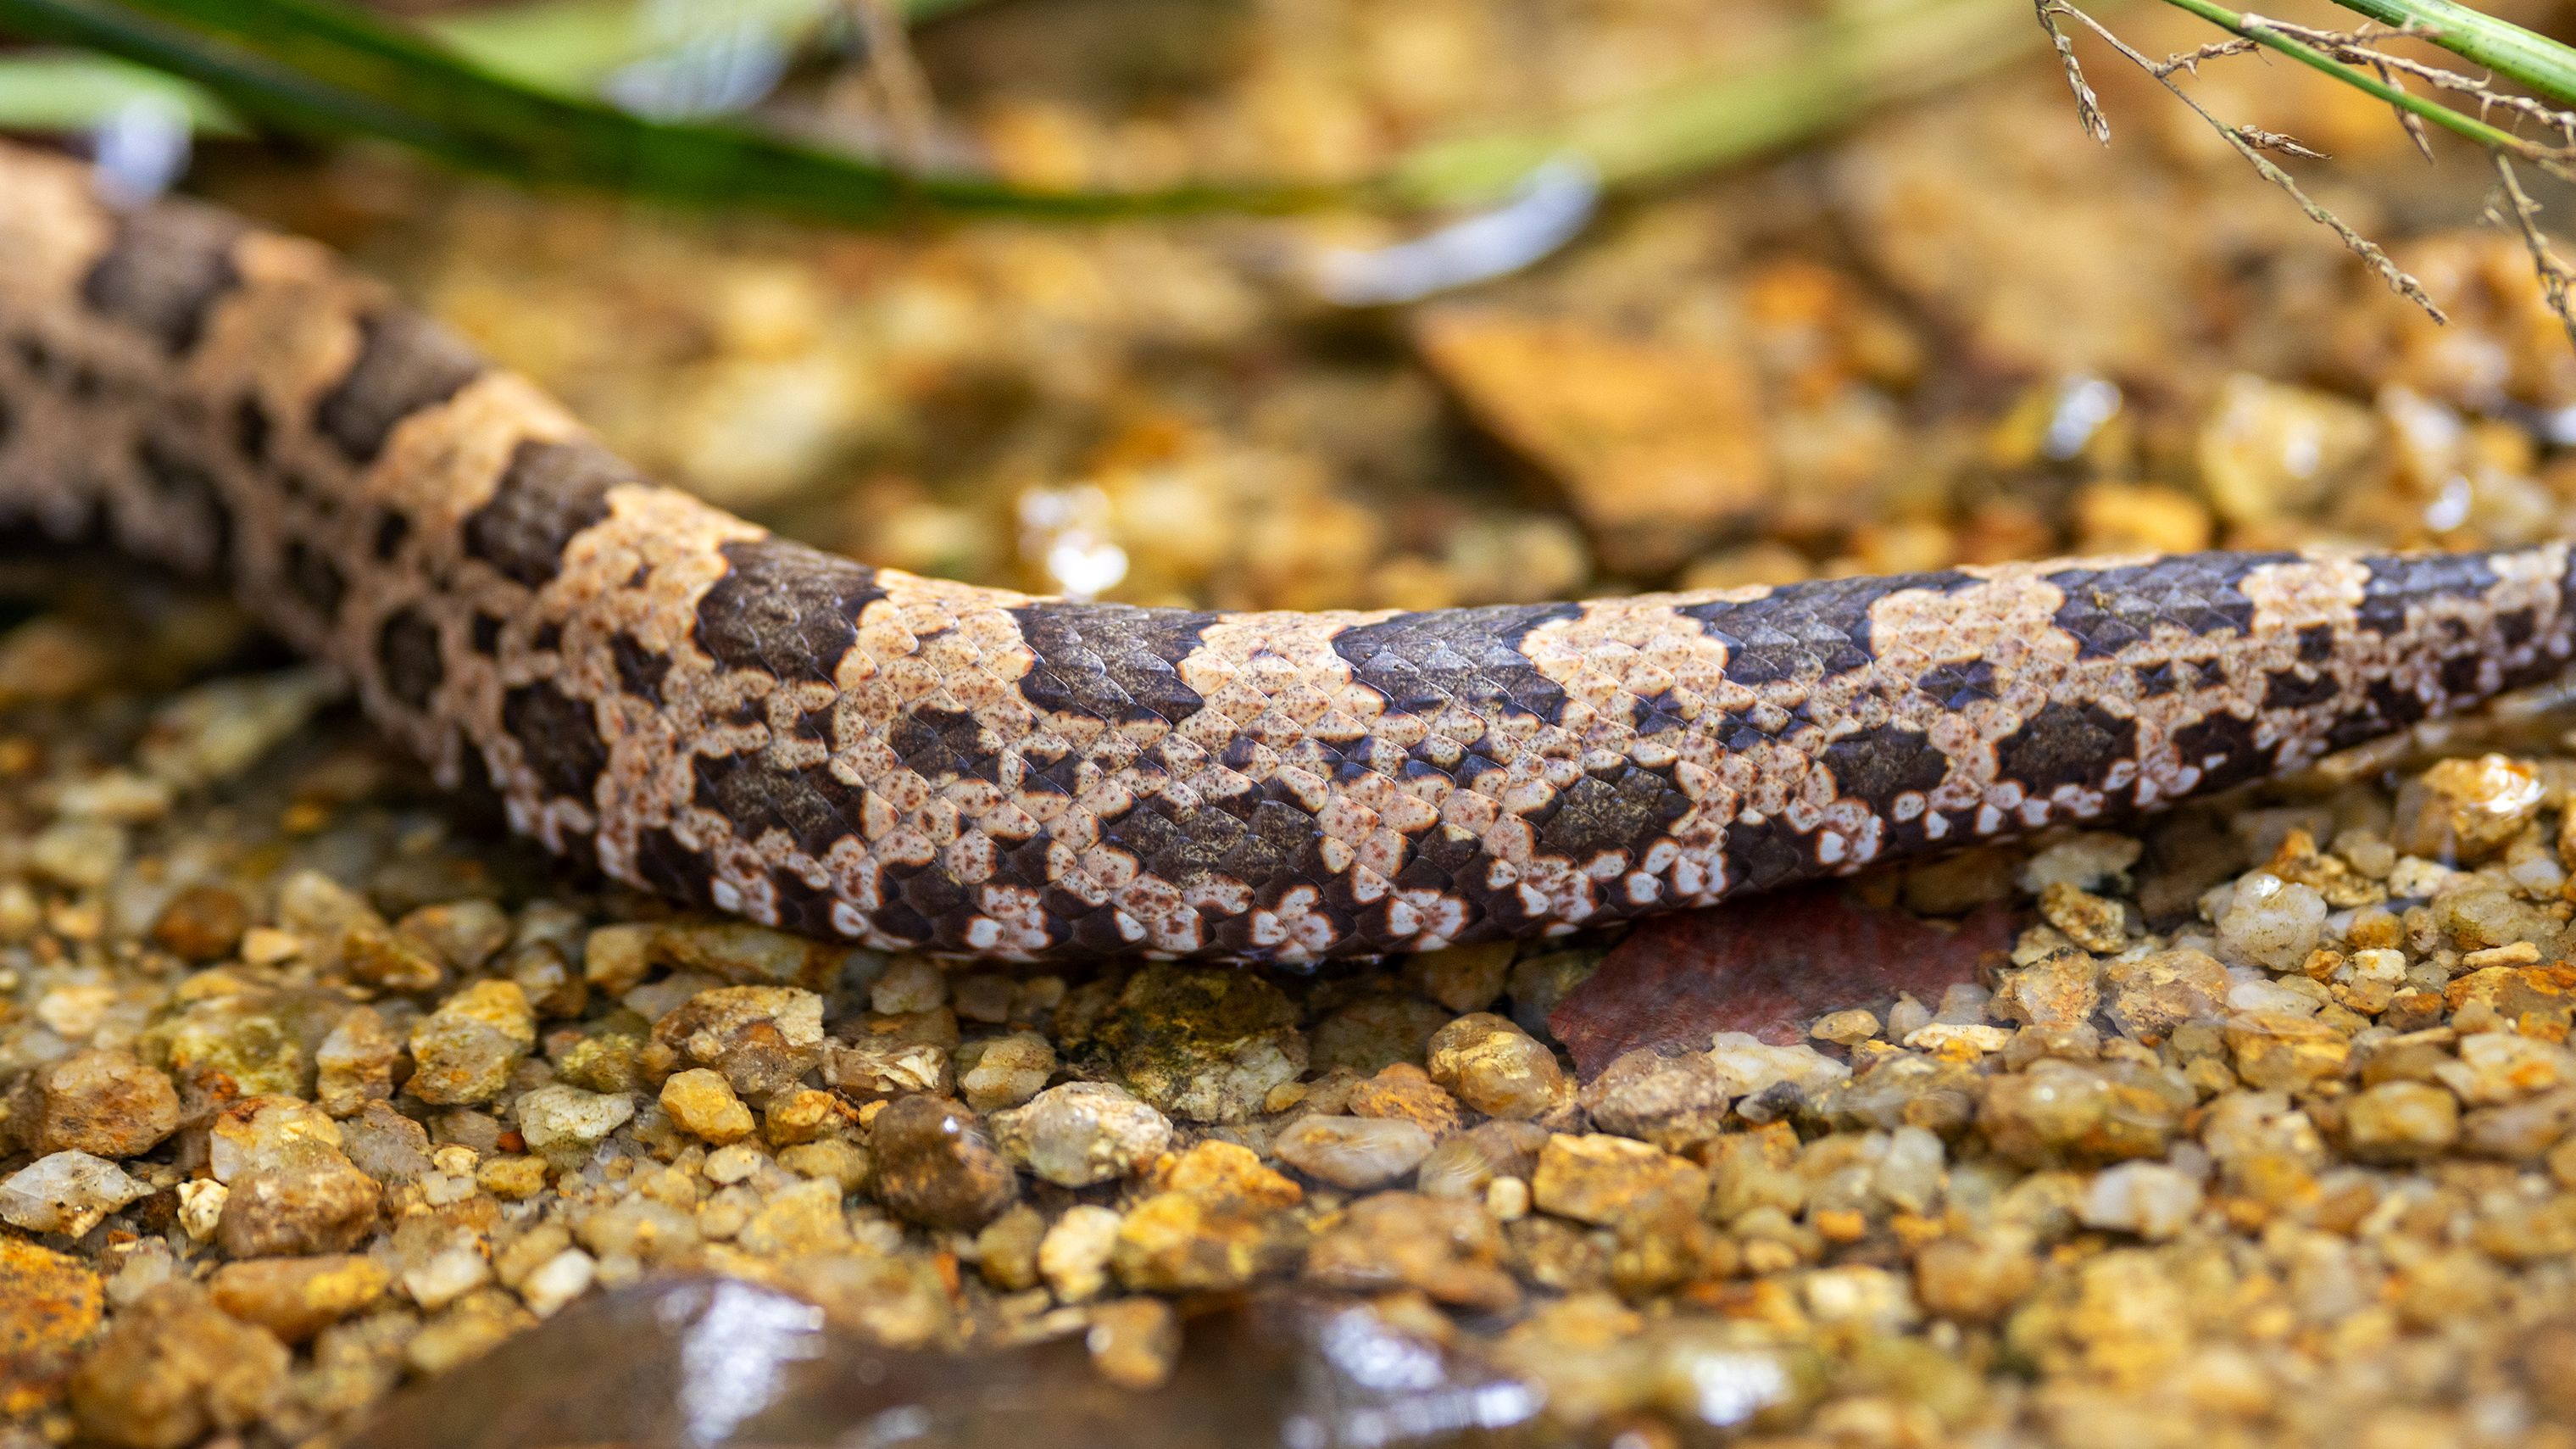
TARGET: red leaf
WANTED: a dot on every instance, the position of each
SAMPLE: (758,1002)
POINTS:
(1770,966)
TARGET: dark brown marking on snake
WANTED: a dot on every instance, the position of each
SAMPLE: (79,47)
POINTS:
(2316,643)
(2298,688)
(1595,816)
(405,363)
(558,737)
(813,805)
(251,429)
(312,577)
(166,270)
(1819,628)
(2222,747)
(1958,683)
(671,865)
(1878,764)
(391,529)
(485,633)
(800,905)
(181,481)
(640,671)
(784,609)
(547,495)
(2397,582)
(1470,657)
(407,652)
(2065,744)
(944,745)
(1110,662)
(2109,610)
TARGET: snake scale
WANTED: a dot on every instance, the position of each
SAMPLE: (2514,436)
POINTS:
(743,722)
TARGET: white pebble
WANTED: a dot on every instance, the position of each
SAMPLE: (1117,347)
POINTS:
(1353,1152)
(67,1193)
(2149,1199)
(2271,922)
(558,1281)
(1073,1257)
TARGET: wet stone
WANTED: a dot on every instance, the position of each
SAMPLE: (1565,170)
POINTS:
(296,1298)
(937,1167)
(172,1368)
(1355,1153)
(1405,1092)
(105,1103)
(1083,1133)
(705,1105)
(1495,1068)
(66,1192)
(1669,1096)
(464,1050)
(1005,1071)
(1202,1044)
(1450,1251)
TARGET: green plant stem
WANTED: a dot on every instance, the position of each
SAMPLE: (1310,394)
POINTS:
(1836,71)
(69,90)
(2525,57)
(327,68)
(2456,122)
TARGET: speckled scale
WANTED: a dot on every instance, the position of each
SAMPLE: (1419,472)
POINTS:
(763,728)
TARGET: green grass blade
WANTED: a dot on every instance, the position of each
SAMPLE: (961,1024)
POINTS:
(2525,57)
(1839,69)
(73,91)
(327,68)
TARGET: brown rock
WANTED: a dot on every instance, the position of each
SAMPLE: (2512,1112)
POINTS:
(1496,1068)
(464,1050)
(296,1298)
(935,1166)
(2160,991)
(1603,1180)
(105,1103)
(1667,1095)
(2055,993)
(50,1304)
(2277,1051)
(1658,445)
(202,923)
(763,1038)
(1218,1221)
(1407,1092)
(1450,1250)
(173,1368)
(290,1188)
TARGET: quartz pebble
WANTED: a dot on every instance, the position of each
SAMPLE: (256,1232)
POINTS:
(1496,1068)
(1073,1257)
(104,1103)
(66,1192)
(1353,1152)
(1007,1071)
(1082,1133)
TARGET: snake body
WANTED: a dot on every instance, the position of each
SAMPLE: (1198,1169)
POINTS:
(737,720)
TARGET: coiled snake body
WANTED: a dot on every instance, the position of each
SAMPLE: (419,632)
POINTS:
(748,723)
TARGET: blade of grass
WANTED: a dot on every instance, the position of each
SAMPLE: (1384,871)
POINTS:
(73,91)
(2522,56)
(1836,71)
(2261,32)
(327,68)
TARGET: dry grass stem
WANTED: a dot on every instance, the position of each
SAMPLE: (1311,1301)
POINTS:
(2553,271)
(2261,139)
(2088,106)
(2399,280)
(2357,48)
(895,79)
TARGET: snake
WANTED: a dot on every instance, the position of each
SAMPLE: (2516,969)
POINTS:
(687,703)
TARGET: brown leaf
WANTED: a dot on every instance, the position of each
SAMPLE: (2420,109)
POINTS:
(1769,966)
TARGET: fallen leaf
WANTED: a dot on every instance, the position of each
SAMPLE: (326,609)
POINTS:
(1769,966)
